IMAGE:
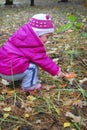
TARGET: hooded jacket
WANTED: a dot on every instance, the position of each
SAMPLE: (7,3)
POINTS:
(22,48)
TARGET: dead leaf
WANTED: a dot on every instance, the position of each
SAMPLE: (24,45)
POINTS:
(56,60)
(75,102)
(68,102)
(26,115)
(31,98)
(69,31)
(63,85)
(5,115)
(49,87)
(2,104)
(70,75)
(67,124)
(26,106)
(80,103)
(7,109)
(54,127)
(10,92)
(4,91)
(83,83)
(5,82)
(17,128)
(77,119)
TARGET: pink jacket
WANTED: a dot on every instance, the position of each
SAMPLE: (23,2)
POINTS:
(23,47)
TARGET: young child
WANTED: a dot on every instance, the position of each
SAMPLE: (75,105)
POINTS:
(24,51)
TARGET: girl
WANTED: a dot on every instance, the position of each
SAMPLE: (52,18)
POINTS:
(24,51)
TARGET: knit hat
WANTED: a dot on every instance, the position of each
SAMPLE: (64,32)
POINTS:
(42,24)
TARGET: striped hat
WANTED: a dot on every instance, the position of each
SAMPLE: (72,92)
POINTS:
(41,24)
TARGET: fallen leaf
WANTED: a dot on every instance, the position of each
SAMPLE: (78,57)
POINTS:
(49,87)
(67,124)
(7,109)
(10,92)
(80,103)
(5,115)
(74,102)
(77,119)
(38,122)
(56,60)
(4,91)
(68,102)
(81,81)
(2,105)
(26,115)
(70,75)
(31,98)
(27,107)
(17,128)
(5,82)
(84,85)
(69,31)
(54,127)
(62,85)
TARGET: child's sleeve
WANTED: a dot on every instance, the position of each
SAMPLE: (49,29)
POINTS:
(40,58)
(47,64)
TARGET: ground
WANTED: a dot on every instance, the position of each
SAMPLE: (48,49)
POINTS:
(61,104)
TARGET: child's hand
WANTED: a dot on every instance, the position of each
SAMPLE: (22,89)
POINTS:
(60,74)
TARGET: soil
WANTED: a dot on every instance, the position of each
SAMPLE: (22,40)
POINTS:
(46,109)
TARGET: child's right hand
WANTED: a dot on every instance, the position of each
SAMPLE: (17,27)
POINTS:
(60,74)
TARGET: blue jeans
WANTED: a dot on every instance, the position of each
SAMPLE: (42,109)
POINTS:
(29,77)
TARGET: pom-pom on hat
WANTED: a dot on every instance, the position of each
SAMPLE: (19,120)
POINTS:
(42,24)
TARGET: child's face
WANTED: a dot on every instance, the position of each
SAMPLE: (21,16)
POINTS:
(45,37)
